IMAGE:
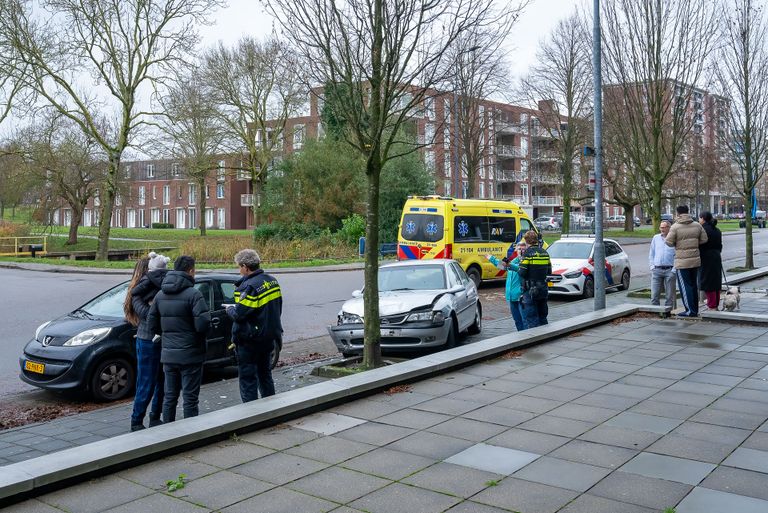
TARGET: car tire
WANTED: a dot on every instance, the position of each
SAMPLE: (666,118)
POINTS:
(474,274)
(477,326)
(451,340)
(112,379)
(589,288)
(625,277)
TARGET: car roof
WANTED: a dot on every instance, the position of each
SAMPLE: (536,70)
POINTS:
(583,240)
(219,276)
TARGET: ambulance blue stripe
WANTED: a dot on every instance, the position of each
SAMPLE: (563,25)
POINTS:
(431,210)
(408,252)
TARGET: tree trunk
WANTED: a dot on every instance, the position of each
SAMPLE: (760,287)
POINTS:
(256,187)
(629,218)
(201,188)
(107,205)
(749,257)
(74,224)
(372,336)
(471,180)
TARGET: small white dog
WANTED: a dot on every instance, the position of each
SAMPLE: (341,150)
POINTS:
(732,299)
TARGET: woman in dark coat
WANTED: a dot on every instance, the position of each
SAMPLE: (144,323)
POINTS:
(710,272)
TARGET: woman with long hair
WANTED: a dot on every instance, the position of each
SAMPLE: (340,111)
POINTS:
(710,272)
(145,284)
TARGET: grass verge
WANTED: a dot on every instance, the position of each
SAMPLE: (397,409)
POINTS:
(128,264)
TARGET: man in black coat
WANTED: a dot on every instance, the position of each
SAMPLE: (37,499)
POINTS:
(256,325)
(180,315)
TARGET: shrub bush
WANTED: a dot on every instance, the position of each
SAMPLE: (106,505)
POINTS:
(352,228)
(223,249)
(162,225)
(9,229)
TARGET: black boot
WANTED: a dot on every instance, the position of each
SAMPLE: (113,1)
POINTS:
(155,422)
(137,427)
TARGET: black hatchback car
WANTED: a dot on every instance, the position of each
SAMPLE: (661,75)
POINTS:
(92,349)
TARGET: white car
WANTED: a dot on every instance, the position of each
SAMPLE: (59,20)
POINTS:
(422,304)
(573,269)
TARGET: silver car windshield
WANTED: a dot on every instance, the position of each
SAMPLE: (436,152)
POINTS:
(422,277)
(560,249)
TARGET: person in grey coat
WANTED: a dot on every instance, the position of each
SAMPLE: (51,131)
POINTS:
(180,315)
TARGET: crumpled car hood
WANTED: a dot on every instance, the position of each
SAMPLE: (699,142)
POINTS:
(391,303)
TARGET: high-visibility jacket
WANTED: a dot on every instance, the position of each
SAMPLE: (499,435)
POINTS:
(535,266)
(257,311)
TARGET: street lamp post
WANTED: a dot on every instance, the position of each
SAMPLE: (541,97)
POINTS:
(599,253)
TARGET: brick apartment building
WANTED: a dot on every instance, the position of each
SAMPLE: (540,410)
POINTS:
(158,191)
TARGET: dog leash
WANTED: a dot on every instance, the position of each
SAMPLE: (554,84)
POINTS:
(724,277)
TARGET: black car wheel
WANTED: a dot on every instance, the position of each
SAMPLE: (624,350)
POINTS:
(589,287)
(474,274)
(624,280)
(451,339)
(112,379)
(477,326)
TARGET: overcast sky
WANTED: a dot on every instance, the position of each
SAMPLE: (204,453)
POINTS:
(248,17)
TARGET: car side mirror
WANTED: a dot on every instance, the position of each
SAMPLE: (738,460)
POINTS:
(456,289)
(357,293)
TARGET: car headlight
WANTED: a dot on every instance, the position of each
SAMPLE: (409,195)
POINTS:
(349,318)
(40,328)
(433,317)
(571,275)
(88,337)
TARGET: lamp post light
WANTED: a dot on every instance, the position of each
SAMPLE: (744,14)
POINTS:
(599,252)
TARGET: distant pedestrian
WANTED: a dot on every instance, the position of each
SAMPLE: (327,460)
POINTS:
(180,315)
(513,290)
(661,260)
(149,372)
(256,325)
(685,236)
(710,272)
(535,266)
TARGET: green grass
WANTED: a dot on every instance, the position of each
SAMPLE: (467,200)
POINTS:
(153,234)
(128,264)
(58,244)
(18,215)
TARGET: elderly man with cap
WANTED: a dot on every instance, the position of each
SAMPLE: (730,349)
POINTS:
(256,325)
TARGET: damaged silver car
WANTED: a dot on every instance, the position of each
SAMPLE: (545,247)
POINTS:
(422,304)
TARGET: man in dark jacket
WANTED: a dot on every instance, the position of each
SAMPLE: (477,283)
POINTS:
(256,326)
(180,315)
(535,266)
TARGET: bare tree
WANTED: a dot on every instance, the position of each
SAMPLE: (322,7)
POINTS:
(654,57)
(742,76)
(123,47)
(65,163)
(380,58)
(17,183)
(562,78)
(479,71)
(193,131)
(258,86)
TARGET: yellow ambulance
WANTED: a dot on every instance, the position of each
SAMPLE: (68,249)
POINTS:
(463,229)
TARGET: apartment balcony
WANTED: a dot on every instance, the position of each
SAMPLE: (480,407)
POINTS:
(554,201)
(509,128)
(509,175)
(540,131)
(505,151)
(552,178)
(544,156)
(520,200)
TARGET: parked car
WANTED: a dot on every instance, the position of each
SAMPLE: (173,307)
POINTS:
(547,223)
(422,304)
(92,349)
(664,217)
(573,266)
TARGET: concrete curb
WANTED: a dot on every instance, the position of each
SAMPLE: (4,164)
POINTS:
(748,275)
(79,463)
(734,317)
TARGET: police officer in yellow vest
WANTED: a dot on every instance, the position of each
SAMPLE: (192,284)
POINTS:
(535,266)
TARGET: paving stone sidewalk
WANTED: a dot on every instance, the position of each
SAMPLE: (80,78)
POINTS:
(634,416)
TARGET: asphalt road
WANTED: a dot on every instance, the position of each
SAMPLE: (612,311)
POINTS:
(311,300)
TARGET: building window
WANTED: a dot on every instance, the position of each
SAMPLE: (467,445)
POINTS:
(179,194)
(429,161)
(150,170)
(142,195)
(482,190)
(447,187)
(429,133)
(464,189)
(96,198)
(175,169)
(118,200)
(128,172)
(429,108)
(166,195)
(154,192)
(207,191)
(166,215)
(298,137)
(447,164)
(220,191)
(482,168)
(243,174)
(447,110)
(155,215)
(192,196)
(221,172)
